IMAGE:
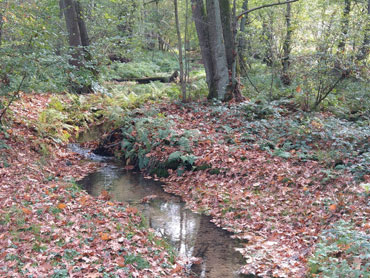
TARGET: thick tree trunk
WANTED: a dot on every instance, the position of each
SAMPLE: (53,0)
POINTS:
(74,35)
(285,76)
(211,41)
(221,74)
(179,46)
(78,40)
(200,19)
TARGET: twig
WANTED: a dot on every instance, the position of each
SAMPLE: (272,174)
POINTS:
(250,81)
(13,97)
(264,6)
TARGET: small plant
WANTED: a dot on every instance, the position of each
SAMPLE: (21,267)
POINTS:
(341,252)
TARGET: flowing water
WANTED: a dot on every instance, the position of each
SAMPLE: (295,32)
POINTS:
(193,235)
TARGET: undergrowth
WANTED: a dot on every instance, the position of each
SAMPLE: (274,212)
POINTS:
(341,252)
(337,143)
(154,132)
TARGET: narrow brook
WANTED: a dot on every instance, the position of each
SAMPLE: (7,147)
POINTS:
(193,235)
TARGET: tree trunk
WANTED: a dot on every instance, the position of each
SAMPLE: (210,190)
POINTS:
(285,76)
(179,46)
(227,32)
(242,43)
(200,19)
(1,27)
(78,39)
(211,41)
(218,52)
(2,13)
(81,25)
(74,35)
(365,48)
(268,56)
(345,25)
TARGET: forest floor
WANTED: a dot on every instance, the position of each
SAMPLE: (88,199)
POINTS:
(49,227)
(273,198)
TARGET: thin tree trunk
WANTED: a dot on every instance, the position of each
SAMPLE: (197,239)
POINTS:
(81,24)
(227,32)
(186,43)
(345,25)
(2,13)
(365,48)
(268,56)
(242,43)
(285,76)
(179,45)
(1,27)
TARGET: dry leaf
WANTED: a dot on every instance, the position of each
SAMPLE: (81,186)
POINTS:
(26,211)
(61,206)
(105,236)
(333,207)
(120,261)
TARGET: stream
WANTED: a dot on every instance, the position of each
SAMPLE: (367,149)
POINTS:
(193,235)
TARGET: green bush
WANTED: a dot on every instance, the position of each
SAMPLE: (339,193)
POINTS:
(156,131)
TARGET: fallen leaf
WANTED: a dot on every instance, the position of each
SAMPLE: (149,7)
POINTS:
(105,236)
(333,207)
(132,210)
(27,211)
(61,206)
(120,261)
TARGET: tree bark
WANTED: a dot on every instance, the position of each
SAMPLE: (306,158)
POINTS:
(78,40)
(218,52)
(365,48)
(81,24)
(74,35)
(242,42)
(2,13)
(345,25)
(179,46)
(200,19)
(285,76)
(211,41)
(227,32)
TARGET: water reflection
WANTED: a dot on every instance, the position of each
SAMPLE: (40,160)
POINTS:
(192,234)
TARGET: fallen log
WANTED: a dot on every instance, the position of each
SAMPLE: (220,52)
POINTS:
(147,80)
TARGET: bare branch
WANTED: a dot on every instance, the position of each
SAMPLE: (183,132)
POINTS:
(264,6)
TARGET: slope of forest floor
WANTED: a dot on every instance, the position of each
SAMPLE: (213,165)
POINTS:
(49,227)
(276,179)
